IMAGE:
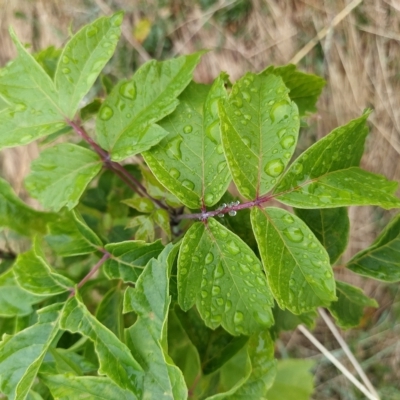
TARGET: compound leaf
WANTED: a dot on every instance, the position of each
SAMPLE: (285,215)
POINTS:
(69,387)
(349,308)
(190,162)
(60,175)
(126,123)
(293,381)
(129,258)
(22,354)
(70,236)
(116,361)
(381,260)
(83,58)
(34,275)
(296,264)
(259,127)
(150,301)
(221,274)
(326,175)
(16,215)
(304,88)
(33,110)
(330,226)
(14,301)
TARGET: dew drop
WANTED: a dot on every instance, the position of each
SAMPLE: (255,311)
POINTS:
(91,31)
(274,167)
(204,294)
(65,59)
(209,258)
(287,155)
(209,199)
(294,234)
(238,102)
(220,301)
(65,70)
(188,184)
(288,218)
(247,116)
(232,247)
(280,110)
(281,132)
(238,317)
(287,141)
(174,173)
(220,149)
(232,213)
(128,90)
(188,129)
(244,268)
(221,166)
(228,305)
(219,271)
(174,147)
(298,168)
(215,290)
(183,271)
(213,133)
(106,113)
(328,274)
(263,319)
(238,113)
(246,96)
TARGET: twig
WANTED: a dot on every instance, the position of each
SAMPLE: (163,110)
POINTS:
(348,352)
(336,362)
(103,259)
(323,32)
(118,169)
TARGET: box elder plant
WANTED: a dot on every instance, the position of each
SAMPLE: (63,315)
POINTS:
(171,276)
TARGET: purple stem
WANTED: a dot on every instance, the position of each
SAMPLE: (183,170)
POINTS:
(118,169)
(103,259)
(227,209)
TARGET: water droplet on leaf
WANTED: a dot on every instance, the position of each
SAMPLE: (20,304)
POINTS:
(294,234)
(128,90)
(106,113)
(274,167)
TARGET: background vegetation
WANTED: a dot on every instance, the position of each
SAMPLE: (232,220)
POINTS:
(357,52)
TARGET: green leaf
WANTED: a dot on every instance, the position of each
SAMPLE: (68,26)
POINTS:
(126,123)
(221,274)
(156,190)
(48,59)
(15,214)
(297,266)
(83,58)
(70,236)
(34,275)
(14,301)
(381,260)
(304,88)
(69,387)
(162,219)
(109,311)
(293,381)
(22,354)
(215,347)
(326,175)
(260,126)
(190,162)
(261,353)
(116,361)
(129,258)
(145,225)
(141,204)
(60,175)
(349,308)
(287,321)
(33,111)
(150,301)
(330,226)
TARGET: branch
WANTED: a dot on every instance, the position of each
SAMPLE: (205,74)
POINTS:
(118,169)
(336,363)
(96,267)
(348,352)
(230,208)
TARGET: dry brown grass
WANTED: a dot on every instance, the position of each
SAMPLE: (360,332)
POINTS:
(359,58)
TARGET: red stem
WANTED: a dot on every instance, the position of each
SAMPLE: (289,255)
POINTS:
(103,259)
(118,169)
